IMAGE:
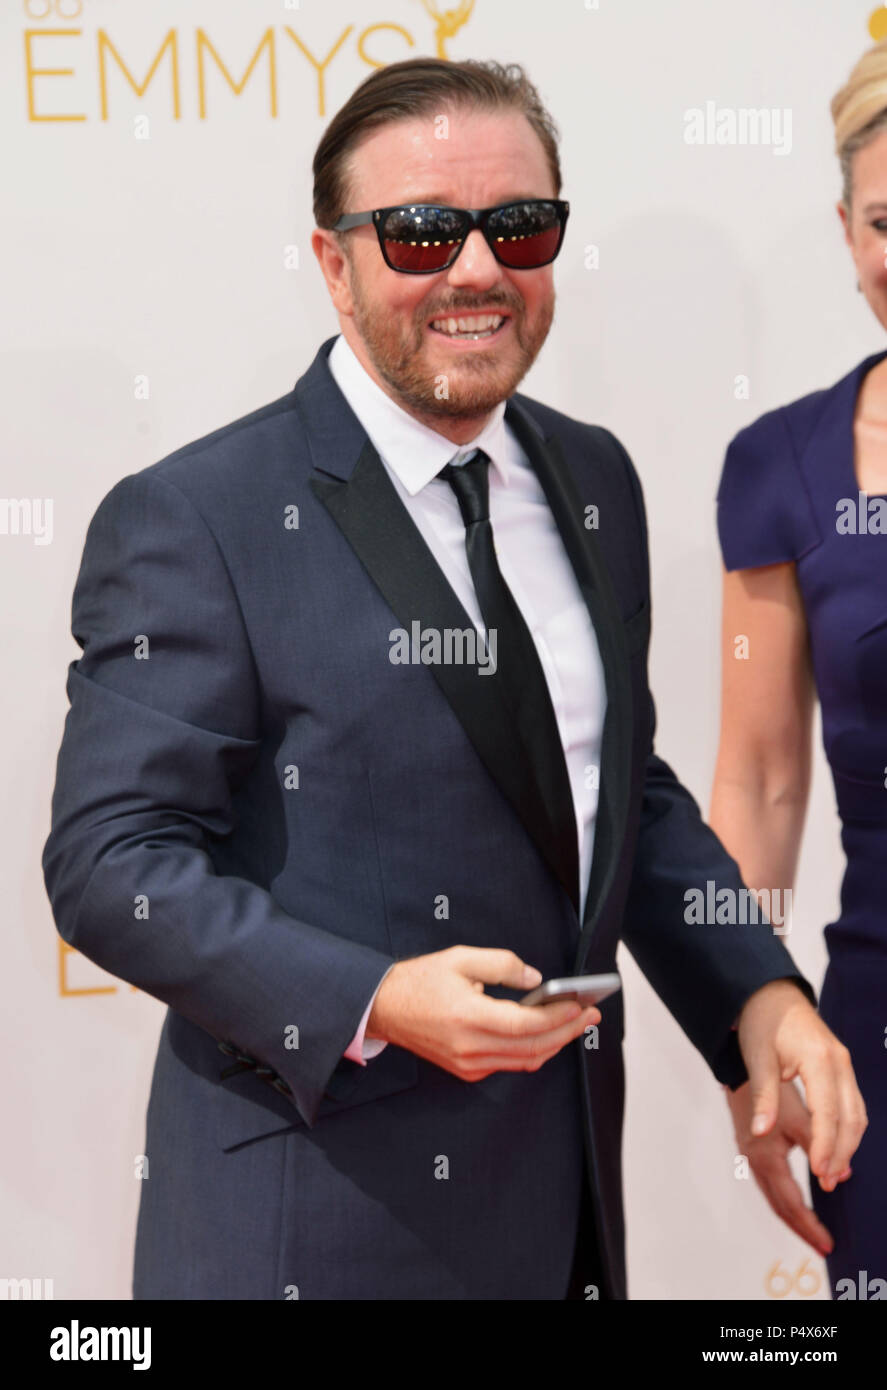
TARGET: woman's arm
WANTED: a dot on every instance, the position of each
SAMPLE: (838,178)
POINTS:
(758,804)
(762,774)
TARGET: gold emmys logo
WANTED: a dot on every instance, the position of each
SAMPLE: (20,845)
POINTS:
(56,22)
(448,24)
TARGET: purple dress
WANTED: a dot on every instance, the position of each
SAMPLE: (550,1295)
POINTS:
(788,491)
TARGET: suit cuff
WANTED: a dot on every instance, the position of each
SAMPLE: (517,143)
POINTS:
(362,1049)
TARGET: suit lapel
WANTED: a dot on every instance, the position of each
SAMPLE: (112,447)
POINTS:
(374,521)
(583,549)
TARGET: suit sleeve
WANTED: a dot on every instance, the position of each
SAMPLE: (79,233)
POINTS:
(704,973)
(164,725)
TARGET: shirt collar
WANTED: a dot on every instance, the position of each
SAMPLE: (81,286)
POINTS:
(413,451)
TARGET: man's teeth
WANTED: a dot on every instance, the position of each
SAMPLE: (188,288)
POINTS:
(479,326)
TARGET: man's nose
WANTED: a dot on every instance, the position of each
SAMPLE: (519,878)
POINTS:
(475,264)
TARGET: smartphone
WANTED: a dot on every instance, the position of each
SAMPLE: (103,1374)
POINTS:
(584,989)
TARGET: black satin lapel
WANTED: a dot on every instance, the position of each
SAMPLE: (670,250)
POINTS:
(379,529)
(584,552)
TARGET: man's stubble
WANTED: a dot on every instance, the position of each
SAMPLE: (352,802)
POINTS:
(473,387)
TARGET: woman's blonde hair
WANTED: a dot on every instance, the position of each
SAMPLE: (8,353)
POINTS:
(859,111)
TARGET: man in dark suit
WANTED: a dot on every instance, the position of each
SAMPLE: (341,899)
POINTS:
(362,726)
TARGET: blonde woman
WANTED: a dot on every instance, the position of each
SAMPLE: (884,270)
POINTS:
(802,519)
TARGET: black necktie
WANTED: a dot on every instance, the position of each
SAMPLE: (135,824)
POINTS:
(518,668)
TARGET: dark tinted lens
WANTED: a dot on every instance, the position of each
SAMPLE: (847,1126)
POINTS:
(422,239)
(526,235)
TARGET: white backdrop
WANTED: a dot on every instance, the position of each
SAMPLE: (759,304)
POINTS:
(149,296)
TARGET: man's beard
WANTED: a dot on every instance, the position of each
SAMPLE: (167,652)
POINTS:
(474,386)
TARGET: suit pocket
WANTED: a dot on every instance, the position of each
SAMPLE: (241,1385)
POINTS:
(637,629)
(248,1108)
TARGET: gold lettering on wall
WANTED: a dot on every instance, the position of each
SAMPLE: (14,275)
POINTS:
(31,72)
(169,42)
(109,54)
(398,29)
(204,42)
(68,991)
(320,67)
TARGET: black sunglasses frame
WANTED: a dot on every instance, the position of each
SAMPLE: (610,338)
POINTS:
(473,218)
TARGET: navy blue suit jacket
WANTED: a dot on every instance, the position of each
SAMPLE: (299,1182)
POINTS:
(256,813)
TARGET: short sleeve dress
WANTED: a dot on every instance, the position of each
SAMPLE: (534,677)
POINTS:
(788,492)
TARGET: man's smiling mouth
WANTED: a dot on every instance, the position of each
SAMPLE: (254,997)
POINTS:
(469,326)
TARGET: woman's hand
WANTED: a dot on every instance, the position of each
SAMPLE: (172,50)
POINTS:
(768,1157)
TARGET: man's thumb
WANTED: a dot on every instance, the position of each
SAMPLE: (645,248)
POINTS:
(500,967)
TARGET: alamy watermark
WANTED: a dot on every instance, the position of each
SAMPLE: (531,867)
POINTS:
(730,125)
(739,907)
(76,1343)
(24,1290)
(861,515)
(449,646)
(27,516)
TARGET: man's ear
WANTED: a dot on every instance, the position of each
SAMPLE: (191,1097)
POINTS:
(335,266)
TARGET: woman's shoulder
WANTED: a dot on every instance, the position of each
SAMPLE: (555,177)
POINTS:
(765,513)
(797,422)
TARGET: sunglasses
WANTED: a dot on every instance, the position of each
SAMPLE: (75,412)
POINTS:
(421,239)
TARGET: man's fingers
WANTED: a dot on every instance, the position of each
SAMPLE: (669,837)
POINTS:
(852,1118)
(765,1078)
(526,1054)
(786,1199)
(821,1090)
(512,1020)
(505,1017)
(796,1126)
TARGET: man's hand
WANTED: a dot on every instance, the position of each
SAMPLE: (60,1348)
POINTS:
(768,1157)
(435,1006)
(781,1036)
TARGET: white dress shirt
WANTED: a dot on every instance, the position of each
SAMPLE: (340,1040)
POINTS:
(533,562)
